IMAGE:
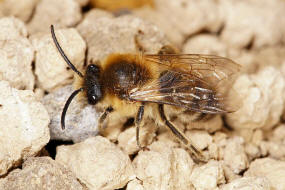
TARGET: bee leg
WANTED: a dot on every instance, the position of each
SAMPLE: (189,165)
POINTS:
(187,142)
(103,117)
(137,123)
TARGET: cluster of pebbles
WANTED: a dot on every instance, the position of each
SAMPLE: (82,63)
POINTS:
(245,149)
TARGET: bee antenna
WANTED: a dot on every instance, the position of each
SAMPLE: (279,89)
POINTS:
(67,105)
(63,54)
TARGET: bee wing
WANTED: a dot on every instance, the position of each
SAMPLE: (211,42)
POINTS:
(196,82)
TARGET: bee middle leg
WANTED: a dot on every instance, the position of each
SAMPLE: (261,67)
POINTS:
(138,120)
(104,116)
(187,142)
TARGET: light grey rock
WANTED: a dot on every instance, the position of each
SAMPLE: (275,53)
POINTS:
(81,119)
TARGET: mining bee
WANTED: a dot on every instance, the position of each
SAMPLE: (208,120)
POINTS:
(141,84)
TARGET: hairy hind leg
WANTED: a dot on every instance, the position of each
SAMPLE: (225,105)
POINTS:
(187,142)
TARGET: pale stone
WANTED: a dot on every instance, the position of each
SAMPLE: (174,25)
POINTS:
(205,44)
(20,9)
(24,126)
(201,139)
(187,17)
(239,31)
(41,173)
(252,151)
(208,176)
(273,170)
(164,167)
(16,54)
(134,185)
(12,28)
(98,163)
(127,139)
(248,183)
(81,120)
(62,13)
(51,69)
(102,40)
(262,96)
(235,156)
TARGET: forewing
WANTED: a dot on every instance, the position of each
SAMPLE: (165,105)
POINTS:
(196,82)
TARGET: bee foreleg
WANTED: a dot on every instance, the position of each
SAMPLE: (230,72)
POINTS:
(137,123)
(187,142)
(104,116)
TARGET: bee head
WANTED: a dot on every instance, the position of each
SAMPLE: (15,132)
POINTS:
(92,84)
(91,81)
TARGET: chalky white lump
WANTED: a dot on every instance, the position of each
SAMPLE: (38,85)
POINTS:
(182,18)
(98,163)
(248,183)
(20,9)
(239,16)
(273,170)
(164,167)
(208,176)
(50,68)
(262,96)
(105,35)
(16,54)
(63,13)
(23,126)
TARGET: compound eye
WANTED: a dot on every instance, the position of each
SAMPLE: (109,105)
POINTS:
(92,100)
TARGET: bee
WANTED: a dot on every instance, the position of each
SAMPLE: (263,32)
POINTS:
(141,85)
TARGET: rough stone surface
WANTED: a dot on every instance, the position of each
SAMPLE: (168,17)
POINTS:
(208,176)
(51,69)
(102,40)
(81,120)
(164,167)
(248,183)
(127,139)
(239,30)
(98,163)
(273,170)
(20,9)
(62,13)
(235,156)
(262,96)
(41,173)
(135,185)
(16,54)
(12,28)
(24,126)
(193,16)
(205,44)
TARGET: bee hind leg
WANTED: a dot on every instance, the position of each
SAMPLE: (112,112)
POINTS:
(187,142)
